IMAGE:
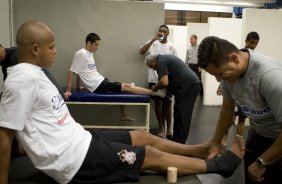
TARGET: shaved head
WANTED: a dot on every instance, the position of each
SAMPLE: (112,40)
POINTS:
(34,39)
(32,32)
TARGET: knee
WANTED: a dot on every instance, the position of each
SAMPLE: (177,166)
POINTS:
(152,153)
(141,137)
(125,86)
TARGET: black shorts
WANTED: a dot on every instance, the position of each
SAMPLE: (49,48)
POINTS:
(167,97)
(108,86)
(111,158)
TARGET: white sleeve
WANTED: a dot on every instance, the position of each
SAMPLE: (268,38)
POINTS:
(77,63)
(17,101)
(174,51)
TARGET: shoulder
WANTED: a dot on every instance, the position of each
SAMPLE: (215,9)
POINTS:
(23,76)
(170,44)
(262,62)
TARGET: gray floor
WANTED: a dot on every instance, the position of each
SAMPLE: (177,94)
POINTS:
(202,128)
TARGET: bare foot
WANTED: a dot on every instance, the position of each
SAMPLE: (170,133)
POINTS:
(161,133)
(126,118)
(238,147)
(202,150)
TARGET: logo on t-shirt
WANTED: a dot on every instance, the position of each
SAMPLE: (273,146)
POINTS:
(92,66)
(57,102)
(256,113)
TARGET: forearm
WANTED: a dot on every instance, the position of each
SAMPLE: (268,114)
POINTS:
(225,120)
(187,58)
(274,152)
(77,82)
(69,81)
(6,138)
(146,47)
(162,83)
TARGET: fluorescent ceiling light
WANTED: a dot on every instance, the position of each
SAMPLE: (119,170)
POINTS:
(198,7)
(254,3)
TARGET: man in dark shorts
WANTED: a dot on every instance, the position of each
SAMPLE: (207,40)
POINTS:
(84,66)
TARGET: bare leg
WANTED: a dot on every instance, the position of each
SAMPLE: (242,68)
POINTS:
(224,139)
(160,117)
(124,115)
(158,160)
(241,126)
(135,89)
(167,112)
(143,138)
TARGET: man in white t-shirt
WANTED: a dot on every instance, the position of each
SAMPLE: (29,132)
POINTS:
(32,109)
(85,67)
(192,61)
(160,45)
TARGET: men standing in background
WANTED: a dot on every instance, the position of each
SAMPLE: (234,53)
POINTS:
(192,60)
(160,45)
(252,40)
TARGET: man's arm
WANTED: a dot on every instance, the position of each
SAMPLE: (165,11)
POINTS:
(68,87)
(223,125)
(187,57)
(77,82)
(271,155)
(162,83)
(6,137)
(147,46)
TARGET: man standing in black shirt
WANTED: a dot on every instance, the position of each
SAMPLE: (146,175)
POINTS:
(183,83)
(8,57)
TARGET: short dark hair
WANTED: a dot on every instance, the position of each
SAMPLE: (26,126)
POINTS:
(252,36)
(215,51)
(195,36)
(92,38)
(165,26)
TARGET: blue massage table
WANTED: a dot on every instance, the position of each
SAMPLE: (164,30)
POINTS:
(84,97)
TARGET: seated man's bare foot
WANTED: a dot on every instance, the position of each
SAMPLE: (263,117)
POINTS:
(127,118)
(201,150)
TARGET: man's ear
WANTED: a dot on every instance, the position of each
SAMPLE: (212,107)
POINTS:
(35,49)
(234,57)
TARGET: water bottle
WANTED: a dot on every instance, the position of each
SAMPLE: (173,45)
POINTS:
(161,38)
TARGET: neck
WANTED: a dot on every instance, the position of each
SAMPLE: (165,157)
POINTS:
(245,62)
(87,48)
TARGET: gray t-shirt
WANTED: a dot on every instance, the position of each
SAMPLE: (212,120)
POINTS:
(180,77)
(259,94)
